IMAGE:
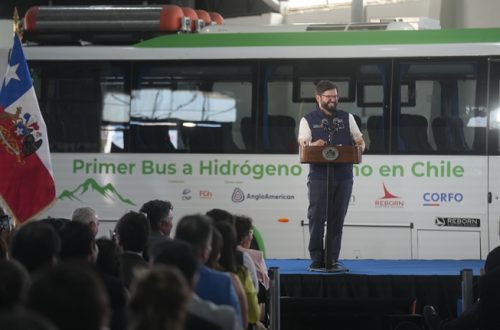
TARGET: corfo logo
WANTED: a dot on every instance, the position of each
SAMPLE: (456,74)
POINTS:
(389,200)
(238,195)
(436,199)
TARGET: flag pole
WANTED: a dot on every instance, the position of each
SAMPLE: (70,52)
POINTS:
(16,24)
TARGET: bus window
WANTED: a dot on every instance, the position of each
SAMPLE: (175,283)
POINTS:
(363,88)
(189,108)
(280,118)
(438,120)
(75,98)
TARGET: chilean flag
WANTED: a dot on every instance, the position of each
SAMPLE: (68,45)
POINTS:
(26,181)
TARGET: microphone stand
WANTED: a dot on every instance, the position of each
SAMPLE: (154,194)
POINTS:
(330,175)
(331,128)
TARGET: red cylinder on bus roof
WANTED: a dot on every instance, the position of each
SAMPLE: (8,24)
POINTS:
(203,15)
(216,17)
(170,18)
(29,22)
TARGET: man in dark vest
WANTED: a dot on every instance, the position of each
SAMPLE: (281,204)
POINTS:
(316,129)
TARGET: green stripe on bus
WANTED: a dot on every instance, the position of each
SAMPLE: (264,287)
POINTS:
(342,38)
(260,241)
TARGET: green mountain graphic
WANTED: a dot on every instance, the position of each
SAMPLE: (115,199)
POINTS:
(108,191)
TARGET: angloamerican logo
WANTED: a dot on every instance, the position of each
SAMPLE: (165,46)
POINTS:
(239,196)
(389,200)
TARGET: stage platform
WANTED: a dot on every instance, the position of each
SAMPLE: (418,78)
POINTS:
(374,294)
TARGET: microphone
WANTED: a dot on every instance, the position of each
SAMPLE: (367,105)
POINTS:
(337,123)
(325,124)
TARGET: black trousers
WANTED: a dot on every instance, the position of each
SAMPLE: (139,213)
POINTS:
(339,200)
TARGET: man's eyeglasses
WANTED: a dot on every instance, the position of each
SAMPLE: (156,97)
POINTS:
(330,97)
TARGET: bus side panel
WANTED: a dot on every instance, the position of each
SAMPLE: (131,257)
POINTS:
(396,200)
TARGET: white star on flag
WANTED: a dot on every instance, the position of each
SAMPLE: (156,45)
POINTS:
(11,73)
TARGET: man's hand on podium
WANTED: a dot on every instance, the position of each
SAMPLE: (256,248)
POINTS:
(319,142)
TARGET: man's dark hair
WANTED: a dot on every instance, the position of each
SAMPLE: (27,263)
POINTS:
(35,245)
(77,240)
(156,211)
(70,295)
(57,223)
(14,283)
(179,254)
(108,261)
(325,85)
(492,260)
(221,215)
(243,225)
(24,320)
(133,231)
(196,230)
(228,256)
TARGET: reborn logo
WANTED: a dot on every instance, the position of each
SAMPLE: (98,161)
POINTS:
(389,200)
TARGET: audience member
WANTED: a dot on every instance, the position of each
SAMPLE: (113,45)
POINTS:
(213,262)
(6,228)
(71,296)
(88,216)
(244,235)
(35,245)
(56,223)
(160,217)
(108,258)
(132,232)
(221,215)
(78,245)
(14,284)
(159,299)
(202,314)
(489,292)
(4,251)
(24,320)
(481,313)
(212,285)
(231,261)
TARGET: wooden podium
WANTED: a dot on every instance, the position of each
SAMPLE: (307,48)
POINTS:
(330,155)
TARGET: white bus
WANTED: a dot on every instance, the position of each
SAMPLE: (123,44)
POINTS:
(210,121)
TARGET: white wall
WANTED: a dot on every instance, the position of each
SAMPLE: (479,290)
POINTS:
(473,13)
(5,43)
(451,13)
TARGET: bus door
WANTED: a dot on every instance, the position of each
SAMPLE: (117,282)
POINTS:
(494,154)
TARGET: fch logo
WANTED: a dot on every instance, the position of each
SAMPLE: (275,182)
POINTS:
(238,195)
(389,200)
(205,194)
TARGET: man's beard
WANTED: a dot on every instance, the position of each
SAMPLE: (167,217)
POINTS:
(329,106)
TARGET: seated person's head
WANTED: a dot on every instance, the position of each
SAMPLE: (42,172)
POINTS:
(133,232)
(71,296)
(35,245)
(14,283)
(492,260)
